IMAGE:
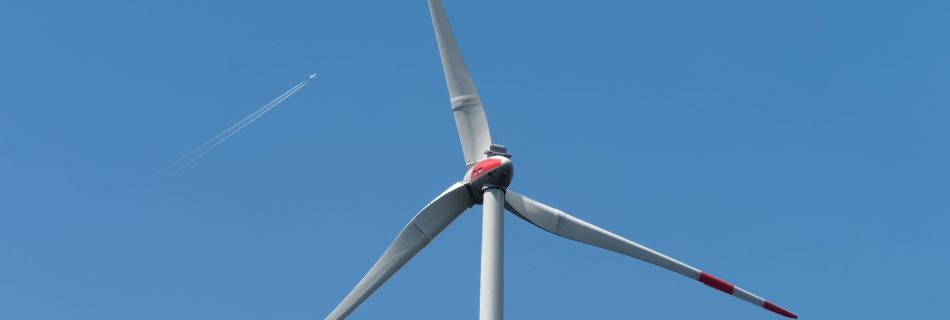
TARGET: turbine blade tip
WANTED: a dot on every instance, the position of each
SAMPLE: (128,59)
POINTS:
(775,308)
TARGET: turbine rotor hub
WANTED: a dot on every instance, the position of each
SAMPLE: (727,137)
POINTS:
(496,171)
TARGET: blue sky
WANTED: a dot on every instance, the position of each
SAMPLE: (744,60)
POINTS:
(795,148)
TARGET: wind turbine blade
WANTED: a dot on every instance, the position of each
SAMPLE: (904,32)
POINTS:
(466,105)
(416,235)
(557,222)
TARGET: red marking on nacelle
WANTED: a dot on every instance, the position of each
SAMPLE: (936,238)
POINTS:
(774,308)
(484,166)
(717,283)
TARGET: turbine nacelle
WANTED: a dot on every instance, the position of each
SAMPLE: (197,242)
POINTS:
(493,172)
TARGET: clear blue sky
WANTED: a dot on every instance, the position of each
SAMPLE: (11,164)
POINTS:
(795,148)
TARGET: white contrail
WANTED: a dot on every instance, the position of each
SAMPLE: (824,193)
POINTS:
(235,131)
(220,135)
(199,151)
(177,163)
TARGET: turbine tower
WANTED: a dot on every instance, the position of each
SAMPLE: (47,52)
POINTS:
(488,173)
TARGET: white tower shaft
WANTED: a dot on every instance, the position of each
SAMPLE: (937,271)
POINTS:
(491,294)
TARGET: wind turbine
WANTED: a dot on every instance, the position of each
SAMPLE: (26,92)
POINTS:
(488,174)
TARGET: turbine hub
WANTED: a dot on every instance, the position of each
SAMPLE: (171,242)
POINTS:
(496,171)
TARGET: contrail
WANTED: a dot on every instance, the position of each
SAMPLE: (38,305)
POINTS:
(235,131)
(199,151)
(220,135)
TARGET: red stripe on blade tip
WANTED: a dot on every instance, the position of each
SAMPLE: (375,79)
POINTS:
(774,308)
(717,283)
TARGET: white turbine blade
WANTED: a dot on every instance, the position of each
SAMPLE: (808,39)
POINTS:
(466,105)
(557,222)
(416,235)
